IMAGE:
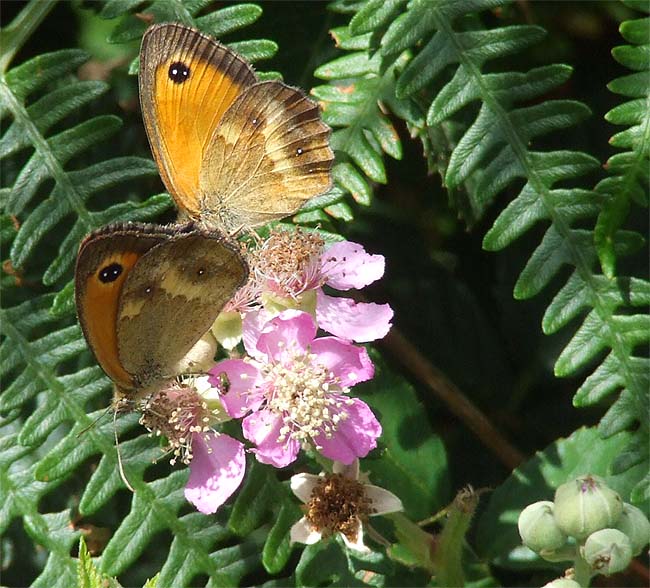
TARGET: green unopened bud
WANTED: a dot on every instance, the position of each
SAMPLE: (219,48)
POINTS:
(562,583)
(586,505)
(607,551)
(538,528)
(636,526)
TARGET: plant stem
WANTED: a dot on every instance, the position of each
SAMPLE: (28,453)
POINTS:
(582,572)
(451,395)
(21,28)
(448,556)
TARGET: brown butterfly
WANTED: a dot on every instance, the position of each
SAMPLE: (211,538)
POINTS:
(146,294)
(233,151)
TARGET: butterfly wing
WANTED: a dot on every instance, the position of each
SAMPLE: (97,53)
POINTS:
(105,260)
(187,82)
(171,301)
(269,154)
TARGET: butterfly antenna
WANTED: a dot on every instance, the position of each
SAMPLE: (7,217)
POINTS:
(120,467)
(91,425)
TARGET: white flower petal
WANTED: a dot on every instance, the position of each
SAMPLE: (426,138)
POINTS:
(383,501)
(302,485)
(301,532)
(358,545)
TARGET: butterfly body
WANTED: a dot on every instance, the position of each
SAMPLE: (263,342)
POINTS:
(146,295)
(233,151)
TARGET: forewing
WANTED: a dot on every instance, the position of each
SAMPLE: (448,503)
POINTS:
(187,82)
(105,259)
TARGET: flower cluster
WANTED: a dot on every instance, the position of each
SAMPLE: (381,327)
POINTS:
(290,389)
(586,523)
(289,271)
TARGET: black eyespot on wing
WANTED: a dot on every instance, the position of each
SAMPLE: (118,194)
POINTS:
(110,273)
(200,271)
(178,72)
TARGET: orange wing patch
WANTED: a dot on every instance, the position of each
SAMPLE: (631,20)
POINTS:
(106,257)
(187,82)
(101,303)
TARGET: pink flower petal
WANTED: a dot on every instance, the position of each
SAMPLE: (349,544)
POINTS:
(355,321)
(346,265)
(252,325)
(354,437)
(347,362)
(263,429)
(216,471)
(291,330)
(244,389)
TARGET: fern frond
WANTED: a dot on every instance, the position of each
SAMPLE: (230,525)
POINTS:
(219,23)
(36,360)
(352,106)
(50,154)
(34,347)
(444,74)
(629,171)
(499,142)
(49,380)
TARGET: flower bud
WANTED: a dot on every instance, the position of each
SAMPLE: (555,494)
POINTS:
(562,583)
(636,526)
(538,528)
(586,505)
(607,551)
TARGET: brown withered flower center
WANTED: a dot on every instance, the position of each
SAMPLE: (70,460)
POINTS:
(337,504)
(290,260)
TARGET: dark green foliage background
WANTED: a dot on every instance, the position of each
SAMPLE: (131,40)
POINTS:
(452,298)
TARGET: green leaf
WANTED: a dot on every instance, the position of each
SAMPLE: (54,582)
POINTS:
(325,564)
(375,15)
(87,574)
(229,19)
(277,547)
(255,50)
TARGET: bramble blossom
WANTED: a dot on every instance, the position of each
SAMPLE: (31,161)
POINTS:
(293,390)
(338,503)
(289,270)
(185,412)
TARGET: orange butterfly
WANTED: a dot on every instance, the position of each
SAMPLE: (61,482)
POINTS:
(234,152)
